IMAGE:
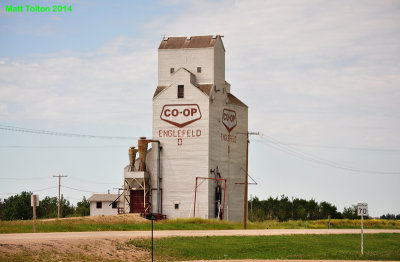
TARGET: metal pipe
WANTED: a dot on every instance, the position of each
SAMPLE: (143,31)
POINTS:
(194,205)
(159,206)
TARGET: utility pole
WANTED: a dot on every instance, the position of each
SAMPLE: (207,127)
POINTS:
(246,180)
(59,198)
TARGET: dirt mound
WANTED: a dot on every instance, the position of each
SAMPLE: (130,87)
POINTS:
(72,250)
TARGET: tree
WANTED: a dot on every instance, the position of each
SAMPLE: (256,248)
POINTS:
(313,209)
(67,208)
(299,209)
(48,207)
(18,207)
(388,216)
(1,209)
(83,207)
(326,209)
(350,212)
(284,209)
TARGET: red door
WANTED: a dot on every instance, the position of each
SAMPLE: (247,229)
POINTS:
(137,198)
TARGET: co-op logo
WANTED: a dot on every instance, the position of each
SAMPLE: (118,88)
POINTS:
(229,119)
(180,115)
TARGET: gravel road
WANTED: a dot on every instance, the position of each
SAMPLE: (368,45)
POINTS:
(121,235)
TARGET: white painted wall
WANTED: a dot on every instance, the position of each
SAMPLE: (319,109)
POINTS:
(182,163)
(105,210)
(189,58)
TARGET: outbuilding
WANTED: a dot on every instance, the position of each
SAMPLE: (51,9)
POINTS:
(104,204)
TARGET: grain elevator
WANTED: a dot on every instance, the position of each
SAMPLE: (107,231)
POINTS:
(194,164)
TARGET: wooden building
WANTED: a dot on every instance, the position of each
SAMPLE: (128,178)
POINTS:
(201,127)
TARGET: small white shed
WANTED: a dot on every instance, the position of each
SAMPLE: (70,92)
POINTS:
(103,204)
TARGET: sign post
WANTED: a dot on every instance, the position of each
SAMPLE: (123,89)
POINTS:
(151,217)
(34,204)
(362,210)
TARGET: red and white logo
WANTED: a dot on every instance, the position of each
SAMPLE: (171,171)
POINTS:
(229,119)
(180,115)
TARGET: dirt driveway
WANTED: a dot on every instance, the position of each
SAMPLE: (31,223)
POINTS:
(123,235)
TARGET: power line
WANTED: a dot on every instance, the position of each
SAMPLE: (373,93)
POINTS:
(38,190)
(22,179)
(309,157)
(338,147)
(77,189)
(91,181)
(63,147)
(54,133)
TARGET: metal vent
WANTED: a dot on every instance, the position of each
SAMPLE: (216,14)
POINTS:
(214,36)
(165,38)
(188,38)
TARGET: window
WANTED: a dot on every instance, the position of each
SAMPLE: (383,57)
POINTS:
(181,91)
(98,205)
(171,70)
(114,204)
(198,69)
(176,206)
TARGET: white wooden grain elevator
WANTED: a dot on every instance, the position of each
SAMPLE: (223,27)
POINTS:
(199,137)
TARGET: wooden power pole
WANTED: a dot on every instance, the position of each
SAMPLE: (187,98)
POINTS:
(246,180)
(59,198)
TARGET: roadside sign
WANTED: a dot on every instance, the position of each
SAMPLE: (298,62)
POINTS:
(37,200)
(362,209)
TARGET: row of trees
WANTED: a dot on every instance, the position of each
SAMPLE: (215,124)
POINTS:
(390,216)
(19,207)
(284,209)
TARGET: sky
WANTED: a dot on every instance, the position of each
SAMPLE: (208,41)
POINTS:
(321,79)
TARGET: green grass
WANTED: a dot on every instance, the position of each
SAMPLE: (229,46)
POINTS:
(85,224)
(335,247)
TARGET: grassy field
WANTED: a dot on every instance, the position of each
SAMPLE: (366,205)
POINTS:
(134,222)
(316,247)
(335,247)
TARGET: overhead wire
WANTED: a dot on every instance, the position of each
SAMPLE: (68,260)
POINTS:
(309,157)
(63,147)
(338,147)
(77,189)
(22,179)
(38,190)
(55,133)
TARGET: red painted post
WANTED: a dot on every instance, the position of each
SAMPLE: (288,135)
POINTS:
(223,206)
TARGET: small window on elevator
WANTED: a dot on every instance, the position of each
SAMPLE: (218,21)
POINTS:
(176,206)
(181,91)
(171,70)
(198,69)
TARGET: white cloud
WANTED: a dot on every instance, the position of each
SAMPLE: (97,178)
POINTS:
(110,85)
(324,69)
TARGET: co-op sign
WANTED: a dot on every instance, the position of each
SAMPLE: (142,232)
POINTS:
(180,115)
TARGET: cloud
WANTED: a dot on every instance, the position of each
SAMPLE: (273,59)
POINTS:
(110,85)
(309,70)
(313,70)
